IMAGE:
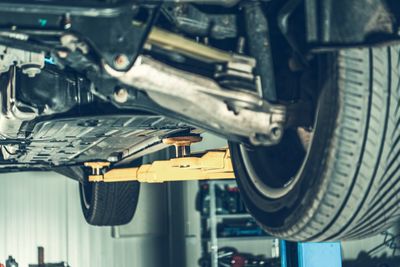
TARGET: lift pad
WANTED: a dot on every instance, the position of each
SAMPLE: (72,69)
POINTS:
(214,164)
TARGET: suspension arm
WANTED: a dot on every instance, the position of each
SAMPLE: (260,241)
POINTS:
(203,100)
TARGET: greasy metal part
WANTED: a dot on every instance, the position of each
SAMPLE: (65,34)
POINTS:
(13,113)
(105,30)
(121,95)
(232,71)
(69,125)
(31,63)
(189,19)
(54,91)
(292,36)
(59,7)
(213,165)
(91,8)
(258,35)
(72,43)
(226,3)
(182,144)
(332,24)
(203,100)
(176,43)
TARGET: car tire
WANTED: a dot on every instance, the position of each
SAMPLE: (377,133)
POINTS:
(108,204)
(343,182)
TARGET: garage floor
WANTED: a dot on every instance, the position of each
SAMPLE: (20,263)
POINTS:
(46,212)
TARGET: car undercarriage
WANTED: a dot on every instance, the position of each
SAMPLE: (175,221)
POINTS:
(102,58)
(108,81)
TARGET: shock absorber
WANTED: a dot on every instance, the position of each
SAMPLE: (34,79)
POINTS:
(258,34)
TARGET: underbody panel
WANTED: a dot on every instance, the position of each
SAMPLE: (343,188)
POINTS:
(71,141)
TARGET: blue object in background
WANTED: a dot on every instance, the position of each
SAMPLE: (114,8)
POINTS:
(49,60)
(319,254)
(283,253)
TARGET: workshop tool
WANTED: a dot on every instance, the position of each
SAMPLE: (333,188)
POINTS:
(41,262)
(182,144)
(11,262)
(215,164)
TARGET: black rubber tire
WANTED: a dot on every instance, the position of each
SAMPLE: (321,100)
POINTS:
(109,204)
(349,187)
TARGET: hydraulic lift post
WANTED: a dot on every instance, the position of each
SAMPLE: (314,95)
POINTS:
(215,164)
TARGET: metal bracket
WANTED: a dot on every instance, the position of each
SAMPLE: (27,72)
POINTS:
(182,144)
(175,43)
(203,101)
(97,166)
(212,165)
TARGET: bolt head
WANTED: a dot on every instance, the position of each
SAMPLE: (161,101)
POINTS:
(121,95)
(276,133)
(112,159)
(121,62)
(31,71)
(62,54)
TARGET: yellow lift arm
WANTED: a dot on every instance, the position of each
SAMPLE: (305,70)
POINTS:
(214,164)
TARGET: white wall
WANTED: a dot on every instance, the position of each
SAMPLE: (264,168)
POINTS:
(33,212)
(43,209)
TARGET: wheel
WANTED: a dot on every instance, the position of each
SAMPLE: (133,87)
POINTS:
(109,204)
(340,179)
